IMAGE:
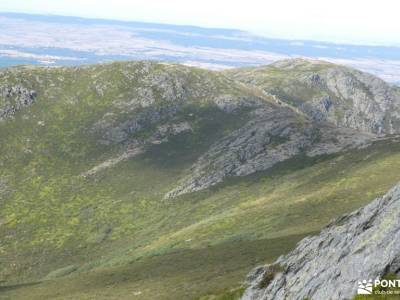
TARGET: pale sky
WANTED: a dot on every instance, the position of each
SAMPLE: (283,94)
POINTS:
(355,21)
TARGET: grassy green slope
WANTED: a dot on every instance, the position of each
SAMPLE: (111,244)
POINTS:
(113,236)
(49,213)
(209,241)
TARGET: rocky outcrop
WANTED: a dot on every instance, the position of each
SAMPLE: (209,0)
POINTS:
(329,92)
(163,132)
(366,102)
(272,136)
(231,104)
(359,246)
(13,99)
(116,132)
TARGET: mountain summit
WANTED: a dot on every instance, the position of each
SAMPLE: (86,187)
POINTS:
(327,92)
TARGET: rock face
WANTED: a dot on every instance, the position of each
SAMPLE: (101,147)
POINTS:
(329,92)
(272,136)
(360,246)
(14,99)
(112,133)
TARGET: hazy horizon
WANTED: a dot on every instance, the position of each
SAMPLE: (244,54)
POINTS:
(250,32)
(60,40)
(375,24)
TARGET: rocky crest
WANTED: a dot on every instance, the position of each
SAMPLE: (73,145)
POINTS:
(362,245)
(329,92)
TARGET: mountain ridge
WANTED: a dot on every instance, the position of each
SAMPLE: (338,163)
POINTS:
(86,167)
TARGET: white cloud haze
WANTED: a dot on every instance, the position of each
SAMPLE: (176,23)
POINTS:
(357,21)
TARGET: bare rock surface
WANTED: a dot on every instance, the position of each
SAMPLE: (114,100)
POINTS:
(359,246)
